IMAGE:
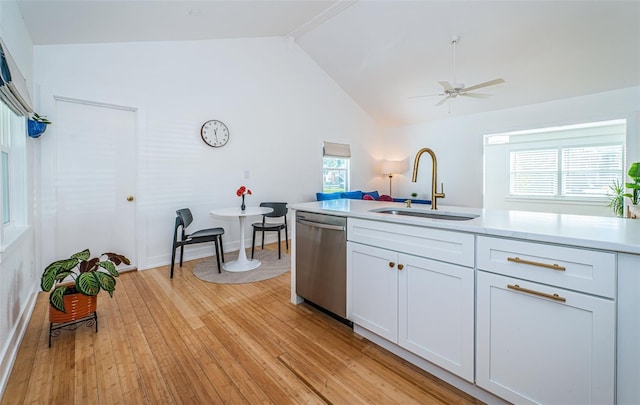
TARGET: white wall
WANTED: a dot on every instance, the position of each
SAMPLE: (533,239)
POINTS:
(20,280)
(458,143)
(278,104)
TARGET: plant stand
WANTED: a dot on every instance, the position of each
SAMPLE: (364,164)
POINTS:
(88,321)
(81,309)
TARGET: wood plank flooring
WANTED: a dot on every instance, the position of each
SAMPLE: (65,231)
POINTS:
(186,341)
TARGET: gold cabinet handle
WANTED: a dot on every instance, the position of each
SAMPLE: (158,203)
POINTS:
(130,198)
(555,297)
(529,262)
(400,266)
(391,264)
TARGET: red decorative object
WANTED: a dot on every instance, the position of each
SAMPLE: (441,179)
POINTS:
(241,192)
(385,197)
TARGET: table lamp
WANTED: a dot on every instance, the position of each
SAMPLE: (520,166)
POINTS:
(391,167)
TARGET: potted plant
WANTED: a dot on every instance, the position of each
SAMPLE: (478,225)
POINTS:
(89,276)
(36,125)
(634,173)
(616,198)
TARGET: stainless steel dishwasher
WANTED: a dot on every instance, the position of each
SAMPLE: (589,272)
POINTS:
(321,260)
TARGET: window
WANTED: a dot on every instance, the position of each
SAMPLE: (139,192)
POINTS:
(572,163)
(583,171)
(5,150)
(6,204)
(533,172)
(12,173)
(335,167)
(335,174)
(590,170)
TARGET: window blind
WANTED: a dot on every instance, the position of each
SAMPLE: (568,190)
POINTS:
(534,172)
(588,171)
(577,161)
(13,87)
(336,149)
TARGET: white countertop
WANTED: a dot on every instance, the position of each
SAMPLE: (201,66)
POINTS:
(605,233)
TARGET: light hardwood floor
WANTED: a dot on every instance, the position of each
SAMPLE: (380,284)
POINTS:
(186,341)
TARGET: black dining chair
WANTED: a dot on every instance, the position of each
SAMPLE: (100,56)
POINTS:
(183,220)
(279,211)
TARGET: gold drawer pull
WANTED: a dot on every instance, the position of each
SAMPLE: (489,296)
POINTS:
(400,266)
(545,265)
(391,264)
(555,297)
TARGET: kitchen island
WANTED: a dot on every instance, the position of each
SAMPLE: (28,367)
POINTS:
(527,307)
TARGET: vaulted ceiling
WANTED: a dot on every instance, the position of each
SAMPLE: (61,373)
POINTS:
(384,52)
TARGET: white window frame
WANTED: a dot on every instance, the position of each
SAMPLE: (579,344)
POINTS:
(556,177)
(5,149)
(336,157)
(13,142)
(327,167)
(605,133)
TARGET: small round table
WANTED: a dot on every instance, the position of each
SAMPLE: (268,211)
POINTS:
(242,263)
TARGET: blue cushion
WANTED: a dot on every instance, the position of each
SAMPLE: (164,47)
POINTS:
(353,195)
(328,196)
(373,194)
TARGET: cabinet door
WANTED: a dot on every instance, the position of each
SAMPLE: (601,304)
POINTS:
(372,301)
(436,313)
(533,349)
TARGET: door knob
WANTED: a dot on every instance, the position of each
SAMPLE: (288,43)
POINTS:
(400,266)
(391,264)
(130,198)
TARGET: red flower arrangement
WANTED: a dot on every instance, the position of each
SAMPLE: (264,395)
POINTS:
(241,192)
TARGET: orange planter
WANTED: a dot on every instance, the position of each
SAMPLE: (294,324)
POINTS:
(78,306)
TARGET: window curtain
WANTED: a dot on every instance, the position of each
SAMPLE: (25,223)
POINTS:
(336,149)
(13,86)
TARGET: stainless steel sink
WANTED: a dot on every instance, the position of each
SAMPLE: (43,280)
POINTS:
(448,216)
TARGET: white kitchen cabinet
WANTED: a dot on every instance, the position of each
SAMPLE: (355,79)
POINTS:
(425,306)
(542,344)
(372,289)
(436,313)
(528,348)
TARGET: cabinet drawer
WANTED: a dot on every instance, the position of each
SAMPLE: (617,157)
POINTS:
(572,268)
(448,246)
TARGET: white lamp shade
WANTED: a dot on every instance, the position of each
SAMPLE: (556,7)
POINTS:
(392,167)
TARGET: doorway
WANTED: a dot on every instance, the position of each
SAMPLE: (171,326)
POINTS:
(95,179)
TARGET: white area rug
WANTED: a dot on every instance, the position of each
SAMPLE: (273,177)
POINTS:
(207,270)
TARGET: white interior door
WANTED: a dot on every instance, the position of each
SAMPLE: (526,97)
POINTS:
(95,179)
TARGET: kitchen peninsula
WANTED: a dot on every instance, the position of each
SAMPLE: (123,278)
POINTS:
(521,306)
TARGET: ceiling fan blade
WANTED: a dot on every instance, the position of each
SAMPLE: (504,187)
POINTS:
(446,85)
(442,101)
(475,95)
(485,84)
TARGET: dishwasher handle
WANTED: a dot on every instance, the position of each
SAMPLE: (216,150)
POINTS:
(320,225)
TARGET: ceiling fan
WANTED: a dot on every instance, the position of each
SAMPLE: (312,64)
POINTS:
(455,89)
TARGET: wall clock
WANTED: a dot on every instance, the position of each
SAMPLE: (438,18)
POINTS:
(214,133)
